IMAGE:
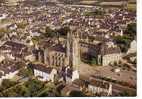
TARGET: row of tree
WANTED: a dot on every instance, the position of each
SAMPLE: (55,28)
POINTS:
(30,88)
(57,32)
(125,40)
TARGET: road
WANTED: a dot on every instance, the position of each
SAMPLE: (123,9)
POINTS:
(129,64)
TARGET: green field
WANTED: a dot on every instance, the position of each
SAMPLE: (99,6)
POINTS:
(131,7)
(88,1)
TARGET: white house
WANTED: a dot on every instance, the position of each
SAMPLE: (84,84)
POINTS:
(12,26)
(2,58)
(110,53)
(133,47)
(3,16)
(43,72)
(30,58)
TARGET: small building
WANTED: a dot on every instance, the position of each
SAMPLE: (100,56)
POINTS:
(133,47)
(8,70)
(100,87)
(110,53)
(12,26)
(13,50)
(43,72)
(3,16)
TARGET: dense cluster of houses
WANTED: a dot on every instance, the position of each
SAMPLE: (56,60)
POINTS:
(92,36)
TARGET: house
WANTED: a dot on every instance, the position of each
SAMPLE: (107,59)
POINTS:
(8,70)
(13,50)
(43,72)
(109,53)
(30,58)
(34,33)
(104,52)
(2,58)
(3,16)
(12,26)
(100,87)
(133,47)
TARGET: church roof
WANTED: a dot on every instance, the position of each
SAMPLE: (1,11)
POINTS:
(108,49)
(58,48)
(42,68)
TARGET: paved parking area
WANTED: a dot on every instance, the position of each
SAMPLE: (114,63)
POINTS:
(106,71)
(123,75)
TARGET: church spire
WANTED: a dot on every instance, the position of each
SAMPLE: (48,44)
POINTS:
(73,54)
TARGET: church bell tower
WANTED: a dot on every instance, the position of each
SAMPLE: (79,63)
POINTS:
(73,50)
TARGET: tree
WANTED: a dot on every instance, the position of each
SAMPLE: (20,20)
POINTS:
(76,94)
(26,72)
(22,90)
(127,93)
(94,13)
(93,61)
(123,42)
(129,34)
(10,93)
(63,31)
(22,25)
(131,30)
(7,83)
(49,32)
(31,88)
(48,90)
(4,30)
(56,79)
(36,39)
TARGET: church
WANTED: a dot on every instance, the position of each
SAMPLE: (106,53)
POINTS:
(60,53)
(64,56)
(68,52)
